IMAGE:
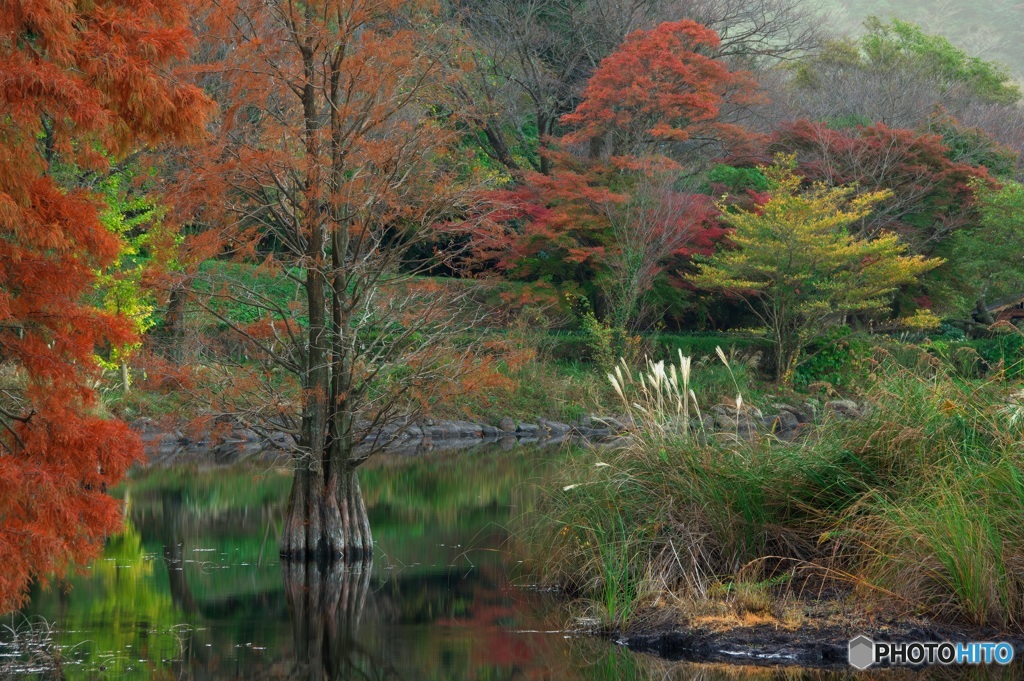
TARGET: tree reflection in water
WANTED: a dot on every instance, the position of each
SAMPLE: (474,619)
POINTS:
(325,604)
(192,591)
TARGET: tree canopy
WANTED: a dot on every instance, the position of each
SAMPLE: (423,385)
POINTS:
(81,84)
(802,270)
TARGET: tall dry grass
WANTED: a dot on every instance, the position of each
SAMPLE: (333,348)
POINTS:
(919,505)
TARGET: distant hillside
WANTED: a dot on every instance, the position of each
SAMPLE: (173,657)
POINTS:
(991,29)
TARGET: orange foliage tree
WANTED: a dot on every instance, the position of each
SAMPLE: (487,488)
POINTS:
(660,87)
(334,168)
(80,84)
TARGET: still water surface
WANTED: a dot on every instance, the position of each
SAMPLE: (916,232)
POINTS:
(193,588)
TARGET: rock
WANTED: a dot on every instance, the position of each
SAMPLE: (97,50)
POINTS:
(747,426)
(786,421)
(282,441)
(749,411)
(489,431)
(554,428)
(620,442)
(844,408)
(723,410)
(593,433)
(507,443)
(614,424)
(507,425)
(725,421)
(801,415)
(147,428)
(528,429)
(166,446)
(246,435)
(466,429)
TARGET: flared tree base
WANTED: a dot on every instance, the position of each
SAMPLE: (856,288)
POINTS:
(326,520)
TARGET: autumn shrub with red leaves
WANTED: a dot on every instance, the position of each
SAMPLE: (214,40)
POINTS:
(931,195)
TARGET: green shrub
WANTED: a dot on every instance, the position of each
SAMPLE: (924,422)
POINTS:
(1006,351)
(980,357)
(738,180)
(838,358)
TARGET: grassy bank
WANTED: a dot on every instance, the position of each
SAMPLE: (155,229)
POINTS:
(916,509)
(543,362)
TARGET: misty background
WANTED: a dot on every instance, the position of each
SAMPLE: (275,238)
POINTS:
(993,29)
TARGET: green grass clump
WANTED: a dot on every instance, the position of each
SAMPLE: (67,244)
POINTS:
(918,505)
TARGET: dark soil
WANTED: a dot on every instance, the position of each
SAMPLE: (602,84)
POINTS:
(822,646)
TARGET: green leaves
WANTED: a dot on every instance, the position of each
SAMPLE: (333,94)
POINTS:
(901,43)
(986,259)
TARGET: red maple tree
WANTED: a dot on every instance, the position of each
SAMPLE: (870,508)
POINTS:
(931,194)
(660,86)
(80,84)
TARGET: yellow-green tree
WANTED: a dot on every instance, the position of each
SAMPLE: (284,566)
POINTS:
(795,263)
(133,217)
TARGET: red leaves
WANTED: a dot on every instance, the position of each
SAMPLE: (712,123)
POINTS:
(931,194)
(615,214)
(662,85)
(78,83)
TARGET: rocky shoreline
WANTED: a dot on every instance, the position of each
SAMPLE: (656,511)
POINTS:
(227,443)
(230,444)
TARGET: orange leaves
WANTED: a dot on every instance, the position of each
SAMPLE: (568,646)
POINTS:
(612,221)
(79,83)
(660,85)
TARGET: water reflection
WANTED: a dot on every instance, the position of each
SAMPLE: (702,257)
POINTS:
(193,588)
(325,603)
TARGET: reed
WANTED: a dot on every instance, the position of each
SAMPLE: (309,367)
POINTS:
(919,505)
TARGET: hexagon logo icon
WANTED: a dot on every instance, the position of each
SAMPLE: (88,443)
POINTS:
(862,652)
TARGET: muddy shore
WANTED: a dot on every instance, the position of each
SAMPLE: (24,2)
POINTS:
(820,645)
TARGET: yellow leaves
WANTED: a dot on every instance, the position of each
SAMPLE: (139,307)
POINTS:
(796,257)
(799,238)
(921,320)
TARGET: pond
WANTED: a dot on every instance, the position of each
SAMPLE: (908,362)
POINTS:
(193,588)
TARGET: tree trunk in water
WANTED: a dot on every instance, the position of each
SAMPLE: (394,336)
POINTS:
(174,552)
(326,518)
